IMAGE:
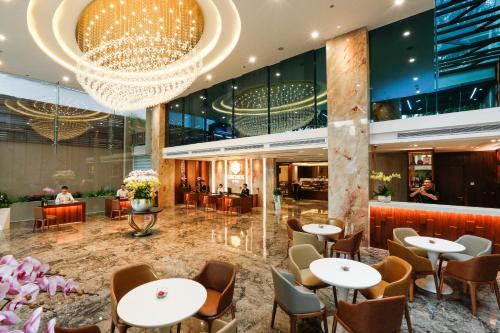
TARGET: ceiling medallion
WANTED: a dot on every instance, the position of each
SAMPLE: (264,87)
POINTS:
(131,54)
(56,122)
(292,107)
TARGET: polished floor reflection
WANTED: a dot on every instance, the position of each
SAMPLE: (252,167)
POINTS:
(183,240)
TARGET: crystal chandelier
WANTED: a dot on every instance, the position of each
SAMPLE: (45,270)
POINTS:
(292,107)
(56,122)
(138,53)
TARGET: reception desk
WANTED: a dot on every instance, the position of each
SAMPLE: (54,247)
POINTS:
(442,221)
(67,213)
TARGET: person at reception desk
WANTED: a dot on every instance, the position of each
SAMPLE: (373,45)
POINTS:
(426,193)
(64,197)
(220,189)
(122,192)
(245,192)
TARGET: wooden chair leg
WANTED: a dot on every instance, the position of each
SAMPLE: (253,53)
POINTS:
(355,296)
(179,328)
(359,256)
(441,285)
(473,302)
(335,296)
(209,324)
(233,311)
(411,289)
(408,318)
(293,324)
(440,267)
(436,282)
(334,325)
(325,322)
(275,304)
(497,293)
(112,329)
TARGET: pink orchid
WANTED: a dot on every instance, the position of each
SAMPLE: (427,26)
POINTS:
(50,326)
(33,322)
(5,329)
(8,318)
(27,295)
(24,270)
(6,272)
(14,285)
(55,283)
(4,288)
(8,260)
(69,287)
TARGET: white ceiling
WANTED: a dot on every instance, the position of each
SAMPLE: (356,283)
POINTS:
(266,26)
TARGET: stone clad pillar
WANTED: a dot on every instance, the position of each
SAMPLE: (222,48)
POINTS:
(348,140)
(165,168)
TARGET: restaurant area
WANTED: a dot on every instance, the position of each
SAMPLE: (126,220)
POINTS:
(229,166)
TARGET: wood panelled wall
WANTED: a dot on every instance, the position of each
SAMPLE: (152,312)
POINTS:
(193,169)
(447,225)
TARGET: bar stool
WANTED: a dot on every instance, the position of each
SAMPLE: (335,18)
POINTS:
(42,219)
(116,208)
(191,200)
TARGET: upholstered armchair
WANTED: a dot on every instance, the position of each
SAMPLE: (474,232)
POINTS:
(474,247)
(122,281)
(83,329)
(297,301)
(396,277)
(218,278)
(383,315)
(220,326)
(305,238)
(474,272)
(291,226)
(338,223)
(420,266)
(349,246)
(399,235)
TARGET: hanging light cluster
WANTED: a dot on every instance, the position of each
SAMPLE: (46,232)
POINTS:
(138,53)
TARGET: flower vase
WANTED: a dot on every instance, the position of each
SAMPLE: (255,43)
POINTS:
(141,205)
(384,198)
(277,202)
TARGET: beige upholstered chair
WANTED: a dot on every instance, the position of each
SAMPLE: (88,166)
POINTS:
(474,247)
(338,223)
(305,238)
(399,235)
(297,301)
(220,326)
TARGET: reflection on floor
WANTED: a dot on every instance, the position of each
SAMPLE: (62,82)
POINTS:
(184,240)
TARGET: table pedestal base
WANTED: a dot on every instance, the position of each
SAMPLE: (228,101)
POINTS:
(149,221)
(427,284)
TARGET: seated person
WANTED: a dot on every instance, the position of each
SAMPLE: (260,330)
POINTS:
(425,194)
(203,188)
(64,197)
(245,192)
(220,189)
(122,193)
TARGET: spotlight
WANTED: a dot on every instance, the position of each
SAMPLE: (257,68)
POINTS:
(411,60)
(65,78)
(399,2)
(252,59)
(314,34)
(406,33)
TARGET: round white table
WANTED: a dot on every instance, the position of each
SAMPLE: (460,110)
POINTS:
(433,246)
(345,274)
(322,231)
(140,307)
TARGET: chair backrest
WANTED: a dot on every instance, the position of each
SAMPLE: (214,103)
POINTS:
(418,263)
(38,212)
(357,238)
(219,276)
(294,224)
(83,329)
(383,315)
(115,205)
(305,238)
(397,273)
(300,257)
(479,269)
(399,235)
(127,278)
(222,327)
(338,223)
(474,245)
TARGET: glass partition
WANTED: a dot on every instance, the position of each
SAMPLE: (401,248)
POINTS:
(175,116)
(219,112)
(194,118)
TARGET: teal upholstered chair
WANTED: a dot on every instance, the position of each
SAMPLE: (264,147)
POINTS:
(297,301)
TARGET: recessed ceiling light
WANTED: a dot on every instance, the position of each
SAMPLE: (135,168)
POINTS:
(406,33)
(399,2)
(1,63)
(252,59)
(65,78)
(411,60)
(209,77)
(415,78)
(418,91)
(338,27)
(493,140)
(2,38)
(278,74)
(314,34)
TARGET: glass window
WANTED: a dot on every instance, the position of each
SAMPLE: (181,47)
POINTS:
(292,94)
(250,104)
(194,118)
(321,99)
(175,122)
(219,111)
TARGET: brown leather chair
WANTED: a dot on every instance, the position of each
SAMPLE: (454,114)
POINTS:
(474,272)
(42,219)
(124,280)
(218,278)
(291,226)
(396,277)
(191,199)
(83,329)
(338,223)
(348,246)
(383,315)
(116,209)
(421,266)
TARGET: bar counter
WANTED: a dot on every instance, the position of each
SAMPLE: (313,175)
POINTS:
(67,213)
(442,221)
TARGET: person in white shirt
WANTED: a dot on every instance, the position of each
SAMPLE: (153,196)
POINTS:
(64,197)
(122,193)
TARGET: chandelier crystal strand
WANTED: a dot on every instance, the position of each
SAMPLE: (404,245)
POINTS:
(138,53)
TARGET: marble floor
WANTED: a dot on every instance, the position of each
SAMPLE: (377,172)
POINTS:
(183,241)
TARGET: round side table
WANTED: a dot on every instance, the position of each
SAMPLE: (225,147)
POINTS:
(149,216)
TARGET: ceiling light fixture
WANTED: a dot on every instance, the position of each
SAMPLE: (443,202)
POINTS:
(65,78)
(415,78)
(314,34)
(399,2)
(278,74)
(2,38)
(411,60)
(252,59)
(209,77)
(406,33)
(338,27)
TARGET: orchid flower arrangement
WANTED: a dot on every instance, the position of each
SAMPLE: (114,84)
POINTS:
(383,189)
(48,194)
(142,183)
(20,284)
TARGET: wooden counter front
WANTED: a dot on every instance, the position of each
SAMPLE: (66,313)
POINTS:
(67,213)
(448,222)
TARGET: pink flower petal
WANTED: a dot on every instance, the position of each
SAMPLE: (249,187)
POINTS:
(50,326)
(8,318)
(33,322)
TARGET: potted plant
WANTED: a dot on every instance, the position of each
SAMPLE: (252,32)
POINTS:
(142,184)
(48,194)
(5,203)
(384,192)
(277,198)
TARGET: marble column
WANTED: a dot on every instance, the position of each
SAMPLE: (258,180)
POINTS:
(269,182)
(165,168)
(348,107)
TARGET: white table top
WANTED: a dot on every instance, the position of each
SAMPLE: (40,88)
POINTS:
(321,229)
(359,276)
(141,308)
(439,245)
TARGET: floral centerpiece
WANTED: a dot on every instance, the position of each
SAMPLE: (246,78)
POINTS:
(21,282)
(142,184)
(48,194)
(277,198)
(384,192)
